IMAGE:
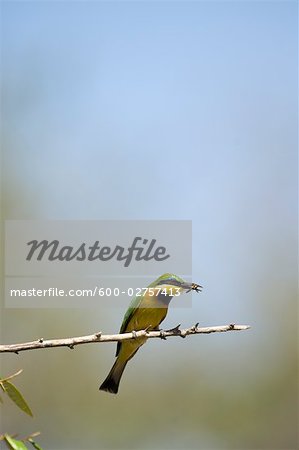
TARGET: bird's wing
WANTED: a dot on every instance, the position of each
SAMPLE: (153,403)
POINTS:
(135,303)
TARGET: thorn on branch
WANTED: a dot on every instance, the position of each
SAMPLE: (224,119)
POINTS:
(162,335)
(175,329)
(194,328)
(147,333)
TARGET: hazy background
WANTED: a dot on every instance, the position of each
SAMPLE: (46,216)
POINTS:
(160,110)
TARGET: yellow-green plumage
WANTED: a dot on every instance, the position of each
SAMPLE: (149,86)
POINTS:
(144,312)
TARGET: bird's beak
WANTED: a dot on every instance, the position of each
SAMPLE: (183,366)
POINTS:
(192,287)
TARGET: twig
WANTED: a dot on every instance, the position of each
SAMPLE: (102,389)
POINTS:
(99,337)
(11,376)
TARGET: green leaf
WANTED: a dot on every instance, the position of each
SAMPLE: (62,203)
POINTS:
(16,396)
(1,401)
(14,444)
(35,445)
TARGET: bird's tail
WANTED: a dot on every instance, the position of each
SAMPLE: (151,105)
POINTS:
(112,381)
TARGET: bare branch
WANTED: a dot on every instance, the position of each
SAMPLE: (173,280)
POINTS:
(99,337)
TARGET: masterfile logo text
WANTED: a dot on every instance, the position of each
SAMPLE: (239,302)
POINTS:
(145,250)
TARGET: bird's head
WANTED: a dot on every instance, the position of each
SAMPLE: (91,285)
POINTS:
(169,281)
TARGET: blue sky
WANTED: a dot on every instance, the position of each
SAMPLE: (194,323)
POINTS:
(166,110)
(156,110)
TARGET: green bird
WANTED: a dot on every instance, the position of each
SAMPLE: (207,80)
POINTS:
(146,311)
